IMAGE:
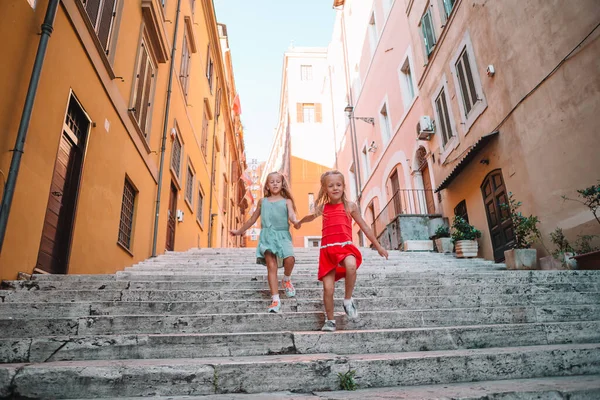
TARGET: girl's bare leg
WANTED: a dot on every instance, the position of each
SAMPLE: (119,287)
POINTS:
(328,288)
(271,260)
(288,265)
(350,264)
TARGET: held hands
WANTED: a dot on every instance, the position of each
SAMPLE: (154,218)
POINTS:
(235,232)
(297,224)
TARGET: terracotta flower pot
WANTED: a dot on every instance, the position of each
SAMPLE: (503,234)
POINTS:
(466,248)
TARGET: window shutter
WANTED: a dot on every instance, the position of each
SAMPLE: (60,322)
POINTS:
(318,113)
(141,75)
(104,25)
(92,7)
(299,112)
(146,102)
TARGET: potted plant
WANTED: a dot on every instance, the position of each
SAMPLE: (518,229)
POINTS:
(443,242)
(562,257)
(588,257)
(465,238)
(526,232)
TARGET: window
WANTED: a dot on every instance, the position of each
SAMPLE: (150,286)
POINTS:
(352,182)
(127,213)
(443,115)
(373,33)
(209,69)
(385,124)
(448,6)
(311,202)
(308,113)
(189,185)
(472,102)
(365,161)
(184,71)
(467,84)
(428,32)
(144,88)
(204,138)
(176,157)
(387,6)
(306,72)
(407,84)
(102,16)
(225,193)
(193,6)
(200,206)
(461,210)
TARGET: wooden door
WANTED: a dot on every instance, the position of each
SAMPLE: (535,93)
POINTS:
(171,218)
(499,222)
(396,193)
(428,191)
(55,244)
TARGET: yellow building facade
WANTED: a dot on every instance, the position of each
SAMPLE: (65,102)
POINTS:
(125,88)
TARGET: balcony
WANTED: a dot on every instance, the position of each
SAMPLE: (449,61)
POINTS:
(406,216)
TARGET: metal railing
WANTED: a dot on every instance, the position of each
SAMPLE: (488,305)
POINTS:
(404,201)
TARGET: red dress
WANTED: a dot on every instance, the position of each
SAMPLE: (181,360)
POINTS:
(336,241)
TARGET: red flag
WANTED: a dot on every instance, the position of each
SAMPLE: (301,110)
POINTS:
(237,107)
(249,197)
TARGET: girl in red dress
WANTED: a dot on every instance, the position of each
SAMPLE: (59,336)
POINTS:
(339,258)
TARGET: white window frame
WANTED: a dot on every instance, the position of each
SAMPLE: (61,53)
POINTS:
(385,122)
(453,142)
(190,178)
(306,111)
(387,7)
(308,239)
(352,182)
(306,72)
(200,205)
(177,138)
(407,99)
(481,104)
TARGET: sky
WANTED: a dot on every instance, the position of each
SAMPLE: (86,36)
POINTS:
(260,31)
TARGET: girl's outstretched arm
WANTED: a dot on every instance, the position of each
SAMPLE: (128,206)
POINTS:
(249,223)
(291,214)
(355,212)
(306,218)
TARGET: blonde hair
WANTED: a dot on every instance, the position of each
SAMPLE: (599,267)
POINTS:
(323,198)
(286,193)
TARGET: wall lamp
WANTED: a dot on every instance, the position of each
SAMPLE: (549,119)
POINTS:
(349,110)
(372,147)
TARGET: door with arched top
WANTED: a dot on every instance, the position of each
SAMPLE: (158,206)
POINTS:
(494,195)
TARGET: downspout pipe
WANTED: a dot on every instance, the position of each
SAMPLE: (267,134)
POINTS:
(15,163)
(213,164)
(163,145)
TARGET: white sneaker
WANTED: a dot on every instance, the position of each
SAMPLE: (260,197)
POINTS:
(351,310)
(328,326)
(290,291)
(275,307)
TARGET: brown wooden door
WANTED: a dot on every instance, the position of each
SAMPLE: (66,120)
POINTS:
(428,190)
(58,223)
(396,192)
(499,222)
(171,218)
(54,251)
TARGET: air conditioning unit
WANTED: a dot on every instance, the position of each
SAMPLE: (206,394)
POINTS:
(425,128)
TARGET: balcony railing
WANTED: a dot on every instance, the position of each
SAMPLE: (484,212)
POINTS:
(404,201)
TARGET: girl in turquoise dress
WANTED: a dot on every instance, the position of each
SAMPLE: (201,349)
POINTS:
(276,209)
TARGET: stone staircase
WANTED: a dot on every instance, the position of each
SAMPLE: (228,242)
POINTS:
(194,324)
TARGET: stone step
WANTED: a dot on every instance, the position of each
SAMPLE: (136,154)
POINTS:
(319,372)
(245,283)
(295,321)
(578,387)
(80,309)
(155,346)
(38,296)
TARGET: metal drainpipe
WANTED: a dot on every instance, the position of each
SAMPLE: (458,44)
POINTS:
(15,163)
(213,163)
(165,128)
(353,139)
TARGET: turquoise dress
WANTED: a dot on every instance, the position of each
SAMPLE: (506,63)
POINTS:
(275,231)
